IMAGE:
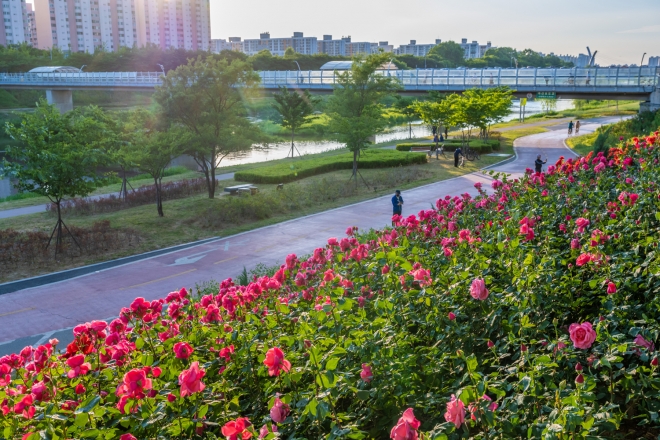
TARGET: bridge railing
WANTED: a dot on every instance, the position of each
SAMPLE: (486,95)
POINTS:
(637,77)
(83,78)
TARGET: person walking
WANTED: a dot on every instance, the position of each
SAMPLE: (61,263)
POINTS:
(570,128)
(397,203)
(577,127)
(457,152)
(538,163)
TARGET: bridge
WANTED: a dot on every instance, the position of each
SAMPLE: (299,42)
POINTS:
(631,83)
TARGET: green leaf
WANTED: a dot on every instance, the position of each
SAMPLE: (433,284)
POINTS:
(332,363)
(363,395)
(81,420)
(88,405)
(472,362)
(525,382)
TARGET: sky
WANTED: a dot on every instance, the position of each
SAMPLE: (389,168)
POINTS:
(621,31)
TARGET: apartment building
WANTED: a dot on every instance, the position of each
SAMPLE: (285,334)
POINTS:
(654,61)
(474,49)
(418,50)
(32,25)
(14,28)
(86,25)
(277,46)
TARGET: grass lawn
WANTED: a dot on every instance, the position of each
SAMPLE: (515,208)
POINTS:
(196,218)
(583,144)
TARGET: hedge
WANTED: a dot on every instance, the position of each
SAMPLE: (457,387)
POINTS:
(480,147)
(290,171)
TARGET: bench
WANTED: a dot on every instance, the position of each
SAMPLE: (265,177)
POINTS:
(242,189)
(421,149)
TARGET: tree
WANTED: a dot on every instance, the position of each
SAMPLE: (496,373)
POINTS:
(548,105)
(356,114)
(149,147)
(203,102)
(57,156)
(406,108)
(295,109)
(450,51)
(498,106)
(290,53)
(437,112)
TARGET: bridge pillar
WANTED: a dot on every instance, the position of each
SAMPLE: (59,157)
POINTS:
(653,104)
(62,99)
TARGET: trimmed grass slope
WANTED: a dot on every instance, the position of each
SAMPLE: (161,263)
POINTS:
(301,168)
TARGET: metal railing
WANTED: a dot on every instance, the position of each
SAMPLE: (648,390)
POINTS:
(615,79)
(596,79)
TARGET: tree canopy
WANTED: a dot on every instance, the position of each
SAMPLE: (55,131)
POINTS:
(295,109)
(203,105)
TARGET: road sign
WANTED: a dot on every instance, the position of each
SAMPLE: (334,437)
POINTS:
(523,102)
(546,95)
(530,96)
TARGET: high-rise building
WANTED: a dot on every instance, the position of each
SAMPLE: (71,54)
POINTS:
(14,28)
(277,46)
(418,50)
(32,25)
(474,49)
(85,25)
(654,61)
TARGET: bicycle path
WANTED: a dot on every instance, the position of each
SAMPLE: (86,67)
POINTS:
(33,315)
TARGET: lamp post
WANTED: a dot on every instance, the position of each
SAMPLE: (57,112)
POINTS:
(161,68)
(83,66)
(513,59)
(642,63)
(425,55)
(299,72)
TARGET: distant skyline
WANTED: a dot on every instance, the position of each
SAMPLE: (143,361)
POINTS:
(620,31)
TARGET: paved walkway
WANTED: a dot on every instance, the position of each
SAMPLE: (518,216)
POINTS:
(33,315)
(36,209)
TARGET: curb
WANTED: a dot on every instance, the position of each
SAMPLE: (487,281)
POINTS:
(50,278)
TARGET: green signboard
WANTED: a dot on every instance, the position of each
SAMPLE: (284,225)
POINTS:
(546,95)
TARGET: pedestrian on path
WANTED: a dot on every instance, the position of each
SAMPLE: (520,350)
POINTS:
(577,127)
(397,203)
(538,163)
(457,153)
(570,128)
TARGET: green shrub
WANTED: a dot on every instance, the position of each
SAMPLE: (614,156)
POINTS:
(298,169)
(480,146)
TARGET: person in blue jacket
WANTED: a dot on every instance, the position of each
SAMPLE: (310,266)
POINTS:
(397,203)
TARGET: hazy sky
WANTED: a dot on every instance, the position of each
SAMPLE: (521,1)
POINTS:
(621,30)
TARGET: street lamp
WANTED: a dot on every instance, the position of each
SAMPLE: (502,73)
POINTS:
(162,68)
(299,72)
(83,66)
(512,61)
(642,63)
(425,55)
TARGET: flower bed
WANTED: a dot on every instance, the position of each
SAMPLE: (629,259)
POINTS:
(529,313)
(299,169)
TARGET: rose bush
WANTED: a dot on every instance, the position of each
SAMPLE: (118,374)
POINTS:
(508,315)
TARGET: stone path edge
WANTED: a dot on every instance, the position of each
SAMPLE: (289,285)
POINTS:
(55,277)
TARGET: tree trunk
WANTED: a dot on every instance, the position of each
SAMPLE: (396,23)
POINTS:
(409,129)
(292,145)
(213,181)
(355,167)
(58,240)
(159,196)
(123,192)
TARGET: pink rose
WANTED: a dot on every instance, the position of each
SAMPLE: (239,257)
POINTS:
(639,340)
(575,243)
(478,289)
(583,335)
(406,427)
(455,412)
(279,411)
(190,380)
(366,374)
(583,259)
(451,316)
(182,350)
(611,288)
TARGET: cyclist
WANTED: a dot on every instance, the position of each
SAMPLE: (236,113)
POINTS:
(577,127)
(570,128)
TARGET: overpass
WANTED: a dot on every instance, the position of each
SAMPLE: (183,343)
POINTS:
(633,83)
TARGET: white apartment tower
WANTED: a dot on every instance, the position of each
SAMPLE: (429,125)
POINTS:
(87,25)
(14,28)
